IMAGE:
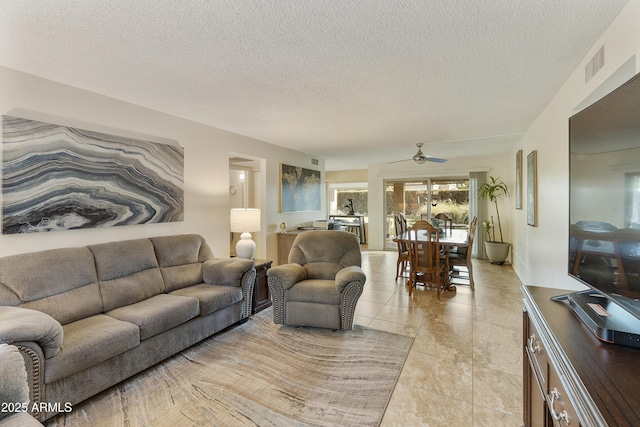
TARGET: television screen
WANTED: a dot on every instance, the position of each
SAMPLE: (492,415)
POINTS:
(604,206)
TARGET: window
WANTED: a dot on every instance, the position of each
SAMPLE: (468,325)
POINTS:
(339,195)
(632,208)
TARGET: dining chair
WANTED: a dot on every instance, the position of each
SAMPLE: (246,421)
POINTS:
(400,223)
(460,266)
(403,247)
(446,219)
(425,257)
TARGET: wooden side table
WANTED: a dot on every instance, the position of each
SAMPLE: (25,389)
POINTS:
(261,294)
(285,241)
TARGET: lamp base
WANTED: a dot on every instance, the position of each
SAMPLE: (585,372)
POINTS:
(245,248)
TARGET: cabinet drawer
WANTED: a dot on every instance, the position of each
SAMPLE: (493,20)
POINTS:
(537,352)
(560,407)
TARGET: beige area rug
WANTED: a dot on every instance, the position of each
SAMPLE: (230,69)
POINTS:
(262,374)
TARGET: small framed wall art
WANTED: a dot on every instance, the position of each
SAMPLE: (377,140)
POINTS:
(532,189)
(519,179)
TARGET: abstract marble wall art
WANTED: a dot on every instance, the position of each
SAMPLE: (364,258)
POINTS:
(61,178)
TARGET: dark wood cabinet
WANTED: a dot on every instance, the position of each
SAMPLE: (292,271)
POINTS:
(570,377)
(536,373)
(261,294)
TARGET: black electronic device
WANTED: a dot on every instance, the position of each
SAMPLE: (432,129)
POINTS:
(604,214)
(607,320)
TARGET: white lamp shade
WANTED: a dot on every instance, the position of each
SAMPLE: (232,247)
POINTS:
(245,220)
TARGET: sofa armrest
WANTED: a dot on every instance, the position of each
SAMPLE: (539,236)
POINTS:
(232,272)
(349,274)
(226,271)
(22,324)
(286,275)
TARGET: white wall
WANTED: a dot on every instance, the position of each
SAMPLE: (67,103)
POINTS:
(206,180)
(541,252)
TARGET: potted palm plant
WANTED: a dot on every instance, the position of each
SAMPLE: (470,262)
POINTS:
(497,251)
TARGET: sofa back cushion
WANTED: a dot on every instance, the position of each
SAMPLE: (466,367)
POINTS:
(70,306)
(127,272)
(180,259)
(59,282)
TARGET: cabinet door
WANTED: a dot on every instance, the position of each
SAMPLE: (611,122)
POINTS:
(560,408)
(535,414)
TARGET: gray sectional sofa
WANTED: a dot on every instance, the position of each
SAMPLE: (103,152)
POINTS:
(87,318)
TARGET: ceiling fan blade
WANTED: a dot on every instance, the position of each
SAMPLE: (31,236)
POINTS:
(398,161)
(435,159)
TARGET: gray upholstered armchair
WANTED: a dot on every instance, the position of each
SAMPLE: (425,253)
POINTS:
(322,282)
(14,389)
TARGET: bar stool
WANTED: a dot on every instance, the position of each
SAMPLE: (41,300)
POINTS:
(355,229)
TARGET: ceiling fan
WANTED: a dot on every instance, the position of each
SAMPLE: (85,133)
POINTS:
(419,158)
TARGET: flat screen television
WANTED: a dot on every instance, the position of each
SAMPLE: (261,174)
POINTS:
(604,214)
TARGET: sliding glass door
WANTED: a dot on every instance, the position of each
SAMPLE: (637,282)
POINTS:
(424,199)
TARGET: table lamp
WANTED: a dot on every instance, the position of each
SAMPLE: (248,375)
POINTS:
(245,221)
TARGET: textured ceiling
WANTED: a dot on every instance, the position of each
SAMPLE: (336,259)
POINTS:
(355,82)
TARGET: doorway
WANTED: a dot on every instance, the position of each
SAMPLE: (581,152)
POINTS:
(424,199)
(245,184)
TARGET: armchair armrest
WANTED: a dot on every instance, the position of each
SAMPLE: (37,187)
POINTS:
(13,377)
(280,278)
(226,271)
(286,274)
(349,274)
(24,325)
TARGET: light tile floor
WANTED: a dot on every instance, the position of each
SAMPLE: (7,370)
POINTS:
(465,365)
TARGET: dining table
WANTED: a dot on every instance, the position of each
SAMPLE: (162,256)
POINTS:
(447,239)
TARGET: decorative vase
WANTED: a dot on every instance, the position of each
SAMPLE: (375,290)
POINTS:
(497,252)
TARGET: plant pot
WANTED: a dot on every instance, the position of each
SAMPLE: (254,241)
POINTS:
(497,252)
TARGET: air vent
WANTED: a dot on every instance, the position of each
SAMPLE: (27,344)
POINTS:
(314,162)
(595,65)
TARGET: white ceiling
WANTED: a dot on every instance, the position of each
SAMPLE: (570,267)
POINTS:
(355,82)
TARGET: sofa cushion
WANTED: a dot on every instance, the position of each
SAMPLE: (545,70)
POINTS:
(7,296)
(128,272)
(88,342)
(314,290)
(37,275)
(119,259)
(212,298)
(180,259)
(157,314)
(131,289)
(70,306)
(181,249)
(181,276)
